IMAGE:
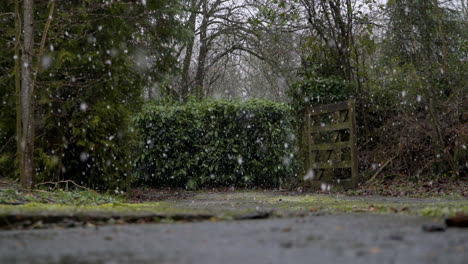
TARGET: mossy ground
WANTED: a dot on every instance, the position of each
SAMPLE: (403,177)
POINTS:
(321,203)
(224,205)
(111,209)
(13,195)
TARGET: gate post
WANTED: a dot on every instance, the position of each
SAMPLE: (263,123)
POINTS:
(353,141)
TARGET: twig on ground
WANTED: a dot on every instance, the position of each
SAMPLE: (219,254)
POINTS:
(66,181)
(379,171)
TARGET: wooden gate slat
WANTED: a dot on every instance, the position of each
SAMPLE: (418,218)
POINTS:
(330,108)
(330,127)
(335,164)
(331,146)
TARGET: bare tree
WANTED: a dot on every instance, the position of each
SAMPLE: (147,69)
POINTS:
(242,39)
(191,25)
(212,23)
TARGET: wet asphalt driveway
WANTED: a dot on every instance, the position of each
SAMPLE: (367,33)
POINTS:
(339,238)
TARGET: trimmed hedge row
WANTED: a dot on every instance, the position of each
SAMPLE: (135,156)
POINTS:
(217,143)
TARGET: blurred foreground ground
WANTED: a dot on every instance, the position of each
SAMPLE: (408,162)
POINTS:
(340,238)
(295,228)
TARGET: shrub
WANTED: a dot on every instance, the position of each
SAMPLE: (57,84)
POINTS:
(216,143)
(314,89)
(85,99)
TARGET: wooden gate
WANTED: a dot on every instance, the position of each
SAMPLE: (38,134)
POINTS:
(331,144)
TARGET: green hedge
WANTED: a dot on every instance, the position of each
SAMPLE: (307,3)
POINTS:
(216,143)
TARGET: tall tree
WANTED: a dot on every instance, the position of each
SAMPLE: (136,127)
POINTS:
(17,72)
(27,106)
(187,60)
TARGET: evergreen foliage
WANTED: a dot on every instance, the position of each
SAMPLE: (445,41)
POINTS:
(100,56)
(315,89)
(7,91)
(217,143)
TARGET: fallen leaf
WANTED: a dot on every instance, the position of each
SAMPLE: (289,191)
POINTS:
(457,221)
(375,250)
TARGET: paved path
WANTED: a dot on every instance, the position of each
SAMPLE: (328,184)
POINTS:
(340,238)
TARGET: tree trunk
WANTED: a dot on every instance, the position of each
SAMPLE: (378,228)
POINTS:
(200,76)
(184,92)
(27,112)
(18,86)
